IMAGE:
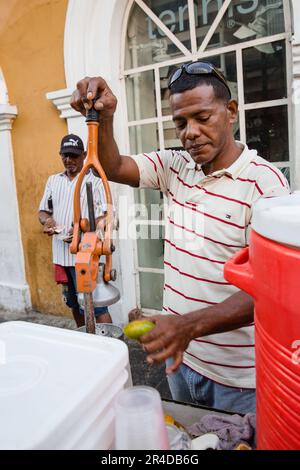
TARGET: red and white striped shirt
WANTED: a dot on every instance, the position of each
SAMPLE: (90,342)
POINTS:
(208,220)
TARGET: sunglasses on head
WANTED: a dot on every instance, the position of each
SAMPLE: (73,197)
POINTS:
(198,68)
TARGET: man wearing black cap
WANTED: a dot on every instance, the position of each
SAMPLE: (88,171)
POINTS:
(56,215)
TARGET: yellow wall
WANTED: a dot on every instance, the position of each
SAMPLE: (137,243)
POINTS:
(31,57)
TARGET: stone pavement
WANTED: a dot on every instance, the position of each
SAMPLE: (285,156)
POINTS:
(37,317)
(142,373)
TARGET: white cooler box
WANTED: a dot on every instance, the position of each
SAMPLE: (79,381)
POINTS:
(57,387)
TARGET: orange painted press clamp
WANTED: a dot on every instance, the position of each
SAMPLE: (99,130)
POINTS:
(91,247)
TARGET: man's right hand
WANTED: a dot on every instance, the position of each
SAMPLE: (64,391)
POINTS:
(88,89)
(49,226)
(118,168)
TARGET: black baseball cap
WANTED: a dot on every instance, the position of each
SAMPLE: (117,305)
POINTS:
(71,143)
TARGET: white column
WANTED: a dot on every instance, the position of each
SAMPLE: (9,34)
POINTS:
(14,291)
(296,88)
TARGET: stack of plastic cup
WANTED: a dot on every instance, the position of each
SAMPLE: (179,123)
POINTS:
(139,420)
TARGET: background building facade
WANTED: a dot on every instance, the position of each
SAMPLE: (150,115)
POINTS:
(46,47)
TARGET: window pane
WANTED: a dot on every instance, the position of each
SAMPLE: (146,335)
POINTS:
(151,202)
(143,138)
(145,42)
(140,91)
(170,139)
(150,246)
(174,14)
(164,74)
(287,173)
(267,132)
(245,21)
(265,73)
(151,289)
(237,134)
(205,14)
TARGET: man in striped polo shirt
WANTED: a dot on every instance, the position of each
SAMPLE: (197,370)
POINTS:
(206,330)
(60,191)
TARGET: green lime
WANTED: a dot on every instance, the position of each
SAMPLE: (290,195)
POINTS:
(138,328)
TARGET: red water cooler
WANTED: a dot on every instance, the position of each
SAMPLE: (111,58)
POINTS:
(269,270)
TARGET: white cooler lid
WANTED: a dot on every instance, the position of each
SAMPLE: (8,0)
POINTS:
(278,218)
(48,377)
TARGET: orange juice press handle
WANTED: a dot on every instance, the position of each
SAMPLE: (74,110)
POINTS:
(92,244)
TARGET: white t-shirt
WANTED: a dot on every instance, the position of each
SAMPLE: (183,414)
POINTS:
(209,220)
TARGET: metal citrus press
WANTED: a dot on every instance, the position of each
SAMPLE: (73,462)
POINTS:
(93,278)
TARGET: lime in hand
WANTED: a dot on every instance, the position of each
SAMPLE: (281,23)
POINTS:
(138,328)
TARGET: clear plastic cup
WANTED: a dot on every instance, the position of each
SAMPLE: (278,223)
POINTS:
(139,420)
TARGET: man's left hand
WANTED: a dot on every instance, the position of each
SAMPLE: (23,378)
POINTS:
(169,338)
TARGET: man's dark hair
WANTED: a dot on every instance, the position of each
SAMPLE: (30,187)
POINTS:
(188,82)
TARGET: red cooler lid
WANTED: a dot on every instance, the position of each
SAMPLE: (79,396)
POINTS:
(278,218)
